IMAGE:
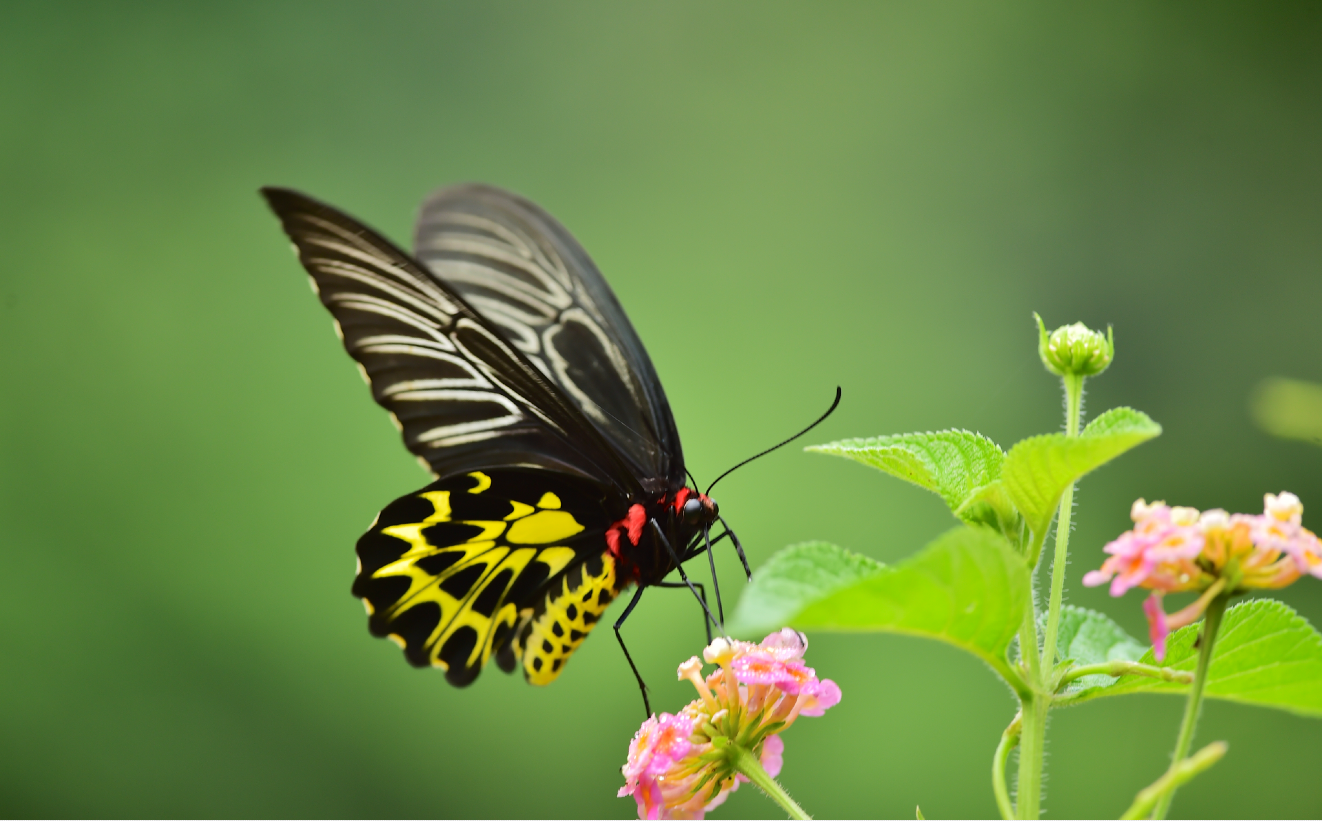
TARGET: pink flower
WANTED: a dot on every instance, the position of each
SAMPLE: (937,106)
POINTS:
(656,747)
(680,766)
(817,698)
(1158,553)
(1174,550)
(763,668)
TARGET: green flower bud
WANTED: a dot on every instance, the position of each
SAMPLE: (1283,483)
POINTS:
(1075,349)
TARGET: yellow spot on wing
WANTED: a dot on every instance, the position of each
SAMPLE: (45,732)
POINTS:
(519,510)
(483,481)
(556,558)
(398,640)
(543,527)
(549,500)
(440,499)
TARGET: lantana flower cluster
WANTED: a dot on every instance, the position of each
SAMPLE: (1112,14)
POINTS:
(1179,549)
(683,765)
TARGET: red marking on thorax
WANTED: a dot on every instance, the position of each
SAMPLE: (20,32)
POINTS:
(631,525)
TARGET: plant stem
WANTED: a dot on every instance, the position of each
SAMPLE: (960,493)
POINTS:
(745,762)
(1211,625)
(1127,668)
(1073,405)
(1180,772)
(1033,739)
(1031,743)
(1009,740)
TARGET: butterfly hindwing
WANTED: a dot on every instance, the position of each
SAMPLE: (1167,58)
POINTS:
(565,614)
(489,563)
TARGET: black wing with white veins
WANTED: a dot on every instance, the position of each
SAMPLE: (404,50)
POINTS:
(463,397)
(523,271)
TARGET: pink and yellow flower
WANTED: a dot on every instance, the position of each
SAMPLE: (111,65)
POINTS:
(1176,550)
(682,766)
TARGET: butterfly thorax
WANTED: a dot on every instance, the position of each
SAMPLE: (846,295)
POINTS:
(643,558)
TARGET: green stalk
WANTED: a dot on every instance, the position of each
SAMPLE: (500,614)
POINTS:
(1179,773)
(1009,740)
(1119,668)
(745,762)
(1032,742)
(1211,625)
(1073,406)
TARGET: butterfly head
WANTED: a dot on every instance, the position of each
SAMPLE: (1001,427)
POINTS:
(699,510)
(696,509)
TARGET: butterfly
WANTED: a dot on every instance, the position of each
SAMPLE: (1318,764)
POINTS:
(513,374)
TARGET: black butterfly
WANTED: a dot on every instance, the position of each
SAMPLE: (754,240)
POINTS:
(514,375)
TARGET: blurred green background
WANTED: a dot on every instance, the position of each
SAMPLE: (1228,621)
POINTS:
(785,198)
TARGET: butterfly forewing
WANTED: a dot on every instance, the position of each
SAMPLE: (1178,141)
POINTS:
(507,563)
(463,397)
(518,267)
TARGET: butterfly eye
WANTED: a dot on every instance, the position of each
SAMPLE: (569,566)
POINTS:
(693,512)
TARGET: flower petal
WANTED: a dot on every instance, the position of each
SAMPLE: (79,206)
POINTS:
(1157,629)
(773,755)
(820,697)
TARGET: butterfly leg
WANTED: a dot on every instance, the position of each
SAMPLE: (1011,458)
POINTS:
(738,548)
(698,545)
(711,560)
(684,577)
(642,686)
(682,586)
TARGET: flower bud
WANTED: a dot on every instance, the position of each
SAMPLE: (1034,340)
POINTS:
(1074,349)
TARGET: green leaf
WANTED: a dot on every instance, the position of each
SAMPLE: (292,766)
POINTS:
(1088,637)
(960,467)
(792,578)
(1037,470)
(1289,408)
(968,587)
(1267,654)
(990,505)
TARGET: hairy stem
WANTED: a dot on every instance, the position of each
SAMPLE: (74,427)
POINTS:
(1211,625)
(1031,743)
(1180,772)
(1127,668)
(1009,740)
(745,762)
(1073,405)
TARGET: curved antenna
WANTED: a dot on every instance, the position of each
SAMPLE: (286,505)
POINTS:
(691,479)
(819,421)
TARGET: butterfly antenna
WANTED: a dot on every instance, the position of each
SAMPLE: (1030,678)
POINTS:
(819,421)
(691,479)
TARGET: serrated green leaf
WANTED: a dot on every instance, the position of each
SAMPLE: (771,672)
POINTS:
(1267,654)
(1037,470)
(1088,637)
(954,464)
(968,587)
(791,578)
